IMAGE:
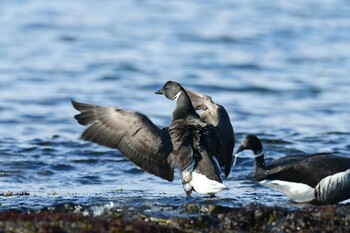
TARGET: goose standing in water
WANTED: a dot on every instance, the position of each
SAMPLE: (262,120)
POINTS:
(318,178)
(189,143)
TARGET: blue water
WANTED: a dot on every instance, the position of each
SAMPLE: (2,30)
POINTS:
(280,68)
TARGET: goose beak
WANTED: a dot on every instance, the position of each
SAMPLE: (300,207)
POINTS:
(241,148)
(159,92)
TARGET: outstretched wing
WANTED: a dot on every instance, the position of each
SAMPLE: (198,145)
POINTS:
(132,133)
(216,115)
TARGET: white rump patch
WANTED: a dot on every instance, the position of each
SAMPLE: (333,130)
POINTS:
(201,184)
(177,95)
(297,191)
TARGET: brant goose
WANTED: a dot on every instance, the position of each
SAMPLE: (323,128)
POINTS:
(189,143)
(321,178)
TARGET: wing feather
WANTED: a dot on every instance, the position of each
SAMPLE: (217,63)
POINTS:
(216,115)
(132,133)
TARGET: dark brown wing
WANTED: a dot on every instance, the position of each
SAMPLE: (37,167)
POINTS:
(132,133)
(197,100)
(216,115)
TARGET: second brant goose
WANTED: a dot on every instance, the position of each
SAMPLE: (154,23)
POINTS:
(189,143)
(322,178)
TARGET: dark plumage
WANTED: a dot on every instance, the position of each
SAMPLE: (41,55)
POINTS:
(215,114)
(188,143)
(326,176)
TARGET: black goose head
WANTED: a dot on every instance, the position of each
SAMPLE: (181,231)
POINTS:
(171,90)
(174,91)
(251,142)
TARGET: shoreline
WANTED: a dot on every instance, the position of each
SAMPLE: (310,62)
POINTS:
(192,218)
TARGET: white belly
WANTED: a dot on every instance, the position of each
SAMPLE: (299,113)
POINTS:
(201,184)
(297,191)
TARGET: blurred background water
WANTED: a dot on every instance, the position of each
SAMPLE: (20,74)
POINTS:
(281,69)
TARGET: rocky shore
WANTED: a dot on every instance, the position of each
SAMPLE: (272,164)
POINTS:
(190,218)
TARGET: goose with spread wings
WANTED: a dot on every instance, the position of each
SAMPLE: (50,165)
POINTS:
(189,143)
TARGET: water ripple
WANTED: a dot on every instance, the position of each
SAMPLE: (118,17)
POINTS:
(280,69)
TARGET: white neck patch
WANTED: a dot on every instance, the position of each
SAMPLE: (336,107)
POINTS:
(260,154)
(177,95)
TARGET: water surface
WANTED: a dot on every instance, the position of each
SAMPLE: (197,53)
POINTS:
(280,69)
